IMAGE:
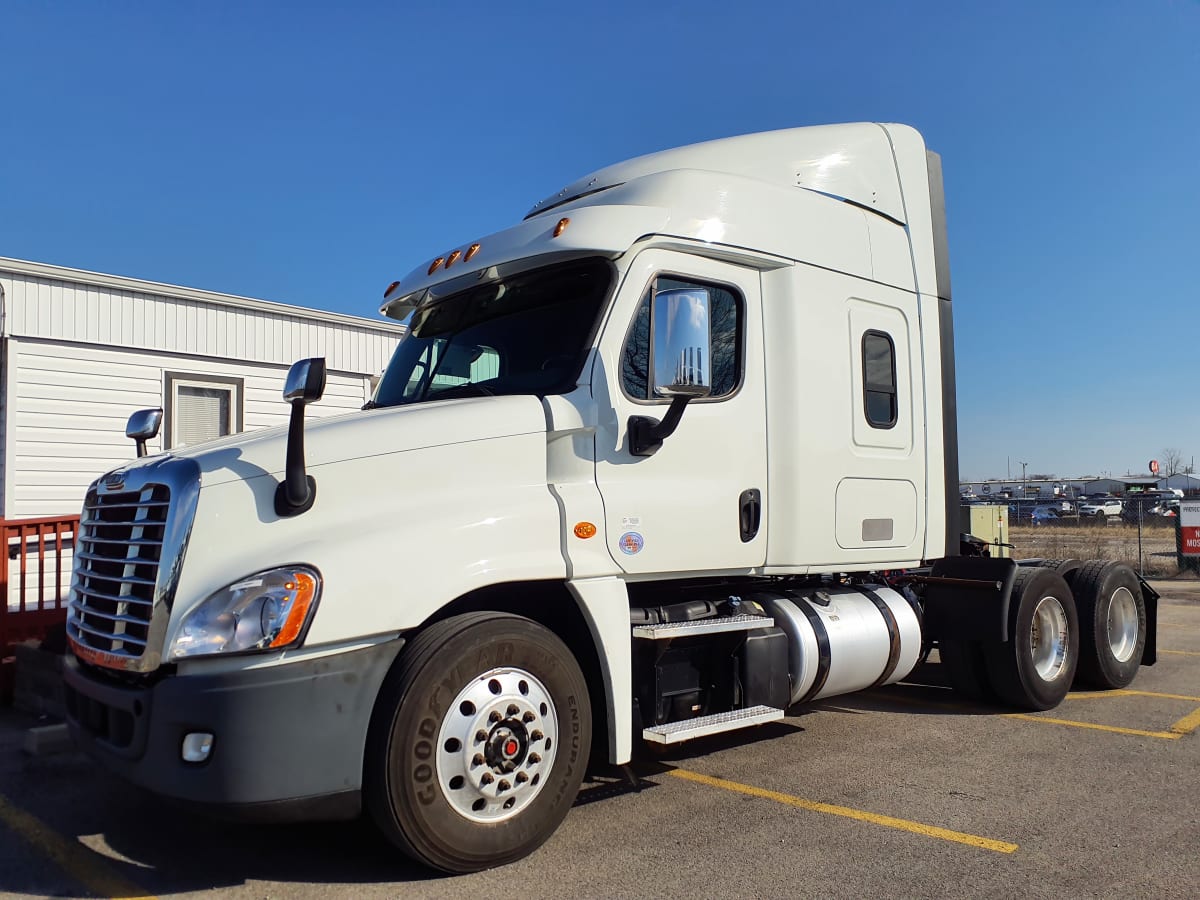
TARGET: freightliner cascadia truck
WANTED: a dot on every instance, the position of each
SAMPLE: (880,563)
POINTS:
(668,458)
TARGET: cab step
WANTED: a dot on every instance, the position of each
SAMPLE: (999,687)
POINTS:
(665,631)
(677,732)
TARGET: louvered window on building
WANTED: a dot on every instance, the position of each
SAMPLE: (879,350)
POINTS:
(202,408)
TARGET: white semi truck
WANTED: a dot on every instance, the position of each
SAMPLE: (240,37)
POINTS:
(672,455)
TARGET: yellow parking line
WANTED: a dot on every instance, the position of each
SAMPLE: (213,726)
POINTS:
(77,861)
(1187,697)
(1165,735)
(1096,695)
(1187,724)
(1181,652)
(933,831)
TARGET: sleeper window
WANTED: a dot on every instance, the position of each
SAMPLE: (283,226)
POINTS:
(879,379)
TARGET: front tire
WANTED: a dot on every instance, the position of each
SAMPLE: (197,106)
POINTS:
(478,742)
(1034,668)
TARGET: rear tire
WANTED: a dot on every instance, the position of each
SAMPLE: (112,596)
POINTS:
(478,742)
(1112,624)
(1035,667)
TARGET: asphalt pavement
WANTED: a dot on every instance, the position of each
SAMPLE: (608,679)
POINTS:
(901,791)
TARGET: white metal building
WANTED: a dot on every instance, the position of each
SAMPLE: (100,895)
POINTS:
(80,351)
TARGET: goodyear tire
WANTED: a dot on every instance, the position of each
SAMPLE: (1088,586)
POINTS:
(1112,623)
(1035,667)
(478,742)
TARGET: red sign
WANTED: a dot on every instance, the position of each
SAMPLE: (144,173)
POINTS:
(1189,540)
(1154,466)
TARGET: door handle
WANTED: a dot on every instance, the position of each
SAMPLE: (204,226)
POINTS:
(749,514)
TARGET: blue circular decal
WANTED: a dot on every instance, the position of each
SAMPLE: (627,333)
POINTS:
(631,542)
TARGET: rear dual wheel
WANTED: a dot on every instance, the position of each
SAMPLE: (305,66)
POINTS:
(1034,668)
(478,742)
(1112,623)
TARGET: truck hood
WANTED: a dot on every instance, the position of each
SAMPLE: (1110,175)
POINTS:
(360,435)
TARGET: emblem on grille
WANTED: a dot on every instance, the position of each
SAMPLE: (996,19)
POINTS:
(114,482)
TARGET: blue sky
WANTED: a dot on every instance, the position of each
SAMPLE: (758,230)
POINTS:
(306,154)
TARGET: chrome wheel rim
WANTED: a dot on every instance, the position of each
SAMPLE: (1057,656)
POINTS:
(497,745)
(1122,624)
(1048,638)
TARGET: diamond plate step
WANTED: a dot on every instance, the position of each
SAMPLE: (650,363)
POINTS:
(677,732)
(667,630)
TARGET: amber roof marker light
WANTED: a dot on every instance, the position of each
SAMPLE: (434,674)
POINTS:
(471,251)
(391,287)
(433,266)
(561,226)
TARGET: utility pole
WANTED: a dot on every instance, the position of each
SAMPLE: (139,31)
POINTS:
(1024,487)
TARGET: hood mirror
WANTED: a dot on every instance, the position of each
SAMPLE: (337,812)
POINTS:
(142,427)
(305,384)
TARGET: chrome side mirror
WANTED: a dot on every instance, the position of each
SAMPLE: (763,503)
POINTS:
(305,381)
(682,343)
(682,347)
(143,426)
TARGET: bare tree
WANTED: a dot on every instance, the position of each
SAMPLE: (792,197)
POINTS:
(1171,462)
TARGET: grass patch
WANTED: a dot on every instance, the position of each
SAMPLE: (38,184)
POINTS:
(1115,542)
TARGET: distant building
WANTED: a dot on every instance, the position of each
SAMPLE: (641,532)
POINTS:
(80,351)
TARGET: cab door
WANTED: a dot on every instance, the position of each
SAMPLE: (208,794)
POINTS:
(698,503)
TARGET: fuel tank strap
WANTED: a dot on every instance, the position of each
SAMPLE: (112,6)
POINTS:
(823,656)
(893,628)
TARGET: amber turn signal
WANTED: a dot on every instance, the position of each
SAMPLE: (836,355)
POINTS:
(585,530)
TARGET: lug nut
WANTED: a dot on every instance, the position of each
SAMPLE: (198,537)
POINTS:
(513,709)
(536,735)
(528,717)
(487,778)
(502,787)
(495,716)
(480,736)
(535,758)
(477,760)
(522,778)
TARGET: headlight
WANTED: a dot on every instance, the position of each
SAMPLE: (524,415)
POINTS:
(267,611)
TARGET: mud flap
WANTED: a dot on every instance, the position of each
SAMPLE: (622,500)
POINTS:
(1150,597)
(972,603)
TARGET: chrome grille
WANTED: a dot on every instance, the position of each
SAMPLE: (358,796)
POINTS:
(118,551)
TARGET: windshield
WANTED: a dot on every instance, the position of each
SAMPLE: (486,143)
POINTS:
(526,334)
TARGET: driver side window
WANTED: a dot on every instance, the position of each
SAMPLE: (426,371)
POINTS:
(725,326)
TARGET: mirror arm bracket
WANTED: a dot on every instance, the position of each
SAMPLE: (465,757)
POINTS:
(298,490)
(646,434)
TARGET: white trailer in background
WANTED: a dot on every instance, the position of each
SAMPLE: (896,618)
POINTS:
(547,540)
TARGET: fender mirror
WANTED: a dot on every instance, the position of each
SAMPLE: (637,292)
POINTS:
(143,426)
(305,384)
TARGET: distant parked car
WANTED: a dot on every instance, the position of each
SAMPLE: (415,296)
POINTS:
(1045,515)
(1101,507)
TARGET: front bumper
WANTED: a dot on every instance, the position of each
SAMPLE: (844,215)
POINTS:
(288,740)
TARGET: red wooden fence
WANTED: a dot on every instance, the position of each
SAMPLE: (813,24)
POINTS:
(35,576)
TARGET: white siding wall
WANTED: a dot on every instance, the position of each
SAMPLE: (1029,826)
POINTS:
(85,350)
(70,404)
(183,320)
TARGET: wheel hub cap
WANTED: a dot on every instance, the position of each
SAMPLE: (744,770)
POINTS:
(1048,638)
(497,745)
(1122,624)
